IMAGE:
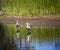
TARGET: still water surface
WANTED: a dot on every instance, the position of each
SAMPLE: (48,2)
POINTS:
(38,38)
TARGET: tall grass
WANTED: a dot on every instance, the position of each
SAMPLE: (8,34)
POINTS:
(31,8)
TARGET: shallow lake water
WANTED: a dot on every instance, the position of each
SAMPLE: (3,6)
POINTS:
(38,38)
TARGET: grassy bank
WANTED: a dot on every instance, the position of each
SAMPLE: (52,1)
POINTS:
(31,7)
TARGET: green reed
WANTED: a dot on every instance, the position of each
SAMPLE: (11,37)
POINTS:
(31,8)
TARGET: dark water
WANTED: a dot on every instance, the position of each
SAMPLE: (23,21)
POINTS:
(38,38)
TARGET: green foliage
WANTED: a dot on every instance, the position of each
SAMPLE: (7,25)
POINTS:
(31,7)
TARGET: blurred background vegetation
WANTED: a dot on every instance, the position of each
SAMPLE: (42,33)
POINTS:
(30,8)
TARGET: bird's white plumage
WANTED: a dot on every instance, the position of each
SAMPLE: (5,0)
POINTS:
(27,25)
(17,24)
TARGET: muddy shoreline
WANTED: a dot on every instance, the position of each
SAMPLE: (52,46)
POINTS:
(37,21)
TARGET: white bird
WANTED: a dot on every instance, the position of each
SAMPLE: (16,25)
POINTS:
(17,29)
(28,26)
(17,24)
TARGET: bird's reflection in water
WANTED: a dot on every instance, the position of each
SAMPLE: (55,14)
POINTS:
(17,44)
(28,36)
(17,41)
(17,33)
(28,40)
(29,43)
(24,44)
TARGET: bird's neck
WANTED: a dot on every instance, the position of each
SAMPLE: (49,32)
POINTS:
(17,22)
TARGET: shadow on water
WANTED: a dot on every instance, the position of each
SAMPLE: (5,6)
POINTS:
(57,41)
(6,43)
(3,39)
(1,35)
